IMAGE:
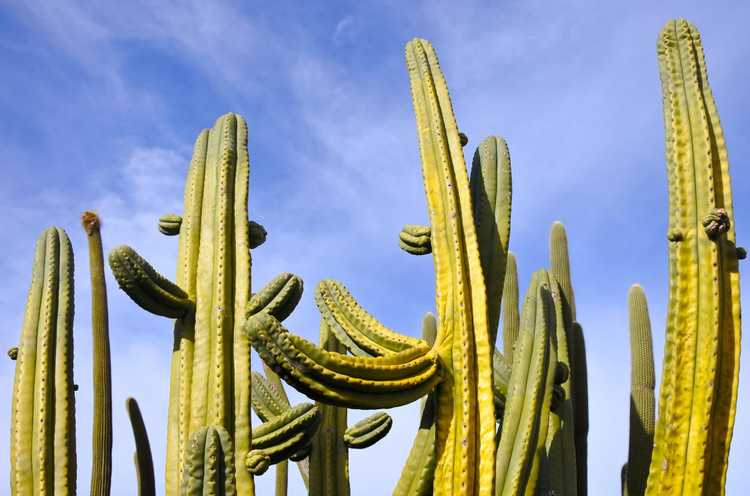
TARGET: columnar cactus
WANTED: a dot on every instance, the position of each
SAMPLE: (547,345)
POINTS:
(210,383)
(42,440)
(698,393)
(144,465)
(511,319)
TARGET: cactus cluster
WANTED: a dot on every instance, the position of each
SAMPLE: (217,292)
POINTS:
(503,420)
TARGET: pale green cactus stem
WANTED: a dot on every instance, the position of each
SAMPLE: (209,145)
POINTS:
(169,224)
(280,437)
(501,370)
(144,464)
(209,464)
(329,458)
(210,374)
(42,437)
(511,319)
(415,239)
(698,396)
(526,419)
(368,431)
(101,453)
(642,383)
(491,195)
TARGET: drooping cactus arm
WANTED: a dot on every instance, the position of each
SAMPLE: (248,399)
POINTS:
(368,431)
(340,379)
(267,402)
(149,289)
(360,332)
(491,193)
(465,430)
(701,360)
(144,465)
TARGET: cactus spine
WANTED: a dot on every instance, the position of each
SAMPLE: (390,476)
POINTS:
(698,394)
(144,465)
(210,383)
(43,456)
(101,454)
(642,382)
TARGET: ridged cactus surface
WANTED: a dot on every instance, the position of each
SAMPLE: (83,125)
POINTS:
(144,464)
(698,395)
(209,464)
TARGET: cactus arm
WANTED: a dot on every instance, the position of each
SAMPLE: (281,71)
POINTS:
(701,360)
(101,454)
(329,457)
(368,431)
(169,224)
(510,308)
(144,465)
(642,382)
(43,415)
(277,298)
(465,430)
(209,464)
(491,193)
(145,286)
(581,395)
(266,400)
(415,239)
(359,331)
(418,473)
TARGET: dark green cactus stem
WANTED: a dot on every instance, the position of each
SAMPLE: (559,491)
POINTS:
(258,235)
(526,418)
(209,464)
(415,239)
(419,470)
(42,437)
(169,224)
(368,431)
(266,399)
(144,464)
(642,384)
(101,453)
(491,194)
(329,459)
(511,319)
(581,404)
(280,437)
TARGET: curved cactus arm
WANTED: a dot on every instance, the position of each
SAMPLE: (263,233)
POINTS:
(466,418)
(415,239)
(354,327)
(491,193)
(144,465)
(209,464)
(511,319)
(525,417)
(368,431)
(698,393)
(42,438)
(266,399)
(642,383)
(169,224)
(145,286)
(342,380)
(277,298)
(101,453)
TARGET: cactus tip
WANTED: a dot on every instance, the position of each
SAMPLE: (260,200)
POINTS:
(90,221)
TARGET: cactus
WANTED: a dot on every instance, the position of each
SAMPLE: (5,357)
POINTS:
(42,442)
(698,395)
(101,470)
(415,239)
(209,464)
(511,319)
(210,383)
(642,381)
(144,465)
(368,431)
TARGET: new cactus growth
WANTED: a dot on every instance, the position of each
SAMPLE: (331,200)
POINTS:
(144,465)
(642,382)
(698,393)
(42,439)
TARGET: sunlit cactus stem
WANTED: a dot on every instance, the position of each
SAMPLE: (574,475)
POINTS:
(209,464)
(101,453)
(42,437)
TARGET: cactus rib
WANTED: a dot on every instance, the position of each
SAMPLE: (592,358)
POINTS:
(511,319)
(209,464)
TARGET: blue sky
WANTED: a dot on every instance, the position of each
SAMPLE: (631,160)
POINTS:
(100,105)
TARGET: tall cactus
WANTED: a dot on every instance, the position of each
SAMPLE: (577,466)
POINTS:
(210,383)
(642,381)
(42,441)
(101,453)
(697,401)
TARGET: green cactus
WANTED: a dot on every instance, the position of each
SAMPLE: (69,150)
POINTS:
(697,401)
(101,453)
(511,319)
(210,374)
(368,431)
(42,438)
(144,465)
(169,224)
(209,464)
(415,239)
(642,383)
